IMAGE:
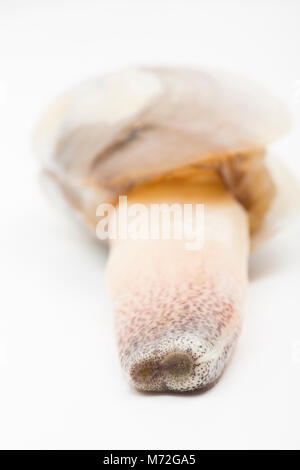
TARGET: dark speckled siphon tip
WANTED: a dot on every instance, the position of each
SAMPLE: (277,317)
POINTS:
(185,351)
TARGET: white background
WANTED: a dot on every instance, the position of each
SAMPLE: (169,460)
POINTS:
(60,381)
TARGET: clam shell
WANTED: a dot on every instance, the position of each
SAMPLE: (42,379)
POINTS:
(111,133)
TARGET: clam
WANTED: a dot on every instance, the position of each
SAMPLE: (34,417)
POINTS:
(173,136)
